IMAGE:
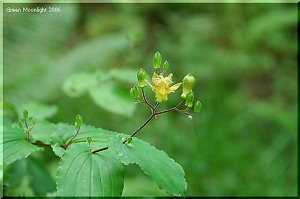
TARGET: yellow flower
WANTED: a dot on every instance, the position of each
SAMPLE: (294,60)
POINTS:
(161,86)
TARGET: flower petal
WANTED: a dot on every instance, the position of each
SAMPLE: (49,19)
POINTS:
(174,87)
(150,85)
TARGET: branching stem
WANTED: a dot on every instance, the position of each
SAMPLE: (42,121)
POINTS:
(154,113)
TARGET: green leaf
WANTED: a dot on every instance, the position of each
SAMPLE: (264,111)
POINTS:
(15,145)
(58,150)
(114,98)
(65,132)
(40,111)
(62,133)
(77,84)
(125,75)
(42,131)
(82,174)
(40,180)
(164,171)
(100,136)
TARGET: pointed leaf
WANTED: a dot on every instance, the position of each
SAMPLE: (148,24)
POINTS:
(82,174)
(164,171)
(42,131)
(15,145)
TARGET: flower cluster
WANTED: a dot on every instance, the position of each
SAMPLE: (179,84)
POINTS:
(162,86)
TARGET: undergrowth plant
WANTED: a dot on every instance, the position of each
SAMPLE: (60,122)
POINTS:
(92,159)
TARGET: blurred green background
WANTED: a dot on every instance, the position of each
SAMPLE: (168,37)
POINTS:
(244,59)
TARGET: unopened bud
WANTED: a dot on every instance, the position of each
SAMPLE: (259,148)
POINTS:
(197,107)
(141,75)
(78,121)
(187,85)
(25,114)
(89,140)
(157,60)
(33,121)
(20,123)
(166,65)
(190,117)
(135,92)
(189,99)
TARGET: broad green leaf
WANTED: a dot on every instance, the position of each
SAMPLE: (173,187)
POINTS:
(100,136)
(64,132)
(82,174)
(42,131)
(126,75)
(114,98)
(38,110)
(40,180)
(78,84)
(164,171)
(15,145)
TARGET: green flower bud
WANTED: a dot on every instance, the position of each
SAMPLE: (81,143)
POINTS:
(135,92)
(89,140)
(189,99)
(166,65)
(190,117)
(20,123)
(33,121)
(197,107)
(187,85)
(25,114)
(157,60)
(78,121)
(141,75)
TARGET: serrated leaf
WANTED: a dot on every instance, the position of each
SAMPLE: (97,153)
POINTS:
(82,174)
(114,98)
(126,75)
(15,145)
(164,171)
(78,84)
(42,131)
(101,137)
(58,150)
(62,133)
(39,111)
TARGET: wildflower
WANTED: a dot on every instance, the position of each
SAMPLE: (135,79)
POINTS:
(161,86)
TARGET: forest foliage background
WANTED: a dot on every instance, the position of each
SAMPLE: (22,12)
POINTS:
(244,59)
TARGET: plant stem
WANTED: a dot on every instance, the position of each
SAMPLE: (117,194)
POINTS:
(102,149)
(27,129)
(145,99)
(69,142)
(153,114)
(142,126)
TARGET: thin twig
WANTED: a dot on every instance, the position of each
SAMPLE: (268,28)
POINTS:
(171,109)
(27,129)
(145,99)
(69,142)
(184,112)
(102,149)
